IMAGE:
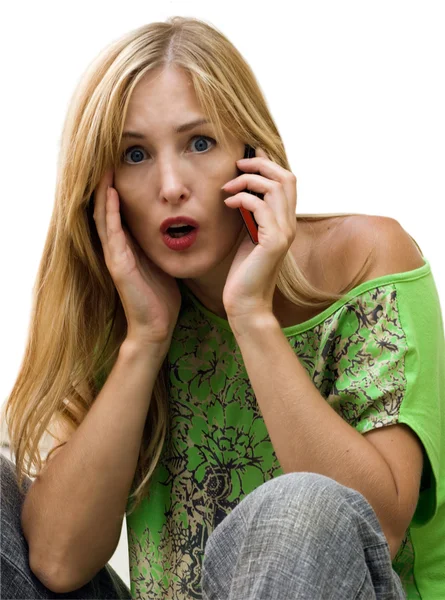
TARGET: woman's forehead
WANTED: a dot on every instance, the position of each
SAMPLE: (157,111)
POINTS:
(167,97)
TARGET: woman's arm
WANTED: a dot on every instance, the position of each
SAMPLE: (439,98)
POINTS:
(384,465)
(72,514)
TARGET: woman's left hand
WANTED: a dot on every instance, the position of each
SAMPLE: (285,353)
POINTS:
(251,281)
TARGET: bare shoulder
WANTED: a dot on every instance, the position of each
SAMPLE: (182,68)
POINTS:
(393,249)
(340,252)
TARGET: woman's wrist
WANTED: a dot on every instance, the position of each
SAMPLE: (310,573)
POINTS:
(135,346)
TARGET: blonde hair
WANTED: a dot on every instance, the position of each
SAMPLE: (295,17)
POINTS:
(77,320)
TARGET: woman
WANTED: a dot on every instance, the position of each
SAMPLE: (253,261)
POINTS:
(266,416)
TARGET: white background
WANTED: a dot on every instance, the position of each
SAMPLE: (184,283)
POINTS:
(356,89)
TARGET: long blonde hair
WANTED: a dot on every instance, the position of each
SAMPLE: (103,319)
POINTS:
(77,320)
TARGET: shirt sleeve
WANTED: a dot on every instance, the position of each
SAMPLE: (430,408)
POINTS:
(387,367)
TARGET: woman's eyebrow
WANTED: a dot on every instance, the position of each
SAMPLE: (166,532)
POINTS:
(179,129)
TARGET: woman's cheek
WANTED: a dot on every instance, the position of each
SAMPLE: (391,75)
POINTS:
(123,182)
(128,189)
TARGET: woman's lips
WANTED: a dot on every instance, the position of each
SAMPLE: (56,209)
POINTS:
(180,220)
(180,243)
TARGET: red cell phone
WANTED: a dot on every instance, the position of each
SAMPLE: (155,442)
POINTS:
(249,219)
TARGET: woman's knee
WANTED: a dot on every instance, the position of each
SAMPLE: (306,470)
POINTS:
(304,502)
(297,530)
(309,492)
(17,575)
(11,503)
(18,581)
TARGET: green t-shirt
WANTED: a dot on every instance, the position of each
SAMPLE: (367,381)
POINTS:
(377,356)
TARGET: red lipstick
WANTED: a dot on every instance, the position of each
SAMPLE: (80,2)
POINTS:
(182,236)
(177,221)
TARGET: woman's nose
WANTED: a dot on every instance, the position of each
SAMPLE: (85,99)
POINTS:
(171,183)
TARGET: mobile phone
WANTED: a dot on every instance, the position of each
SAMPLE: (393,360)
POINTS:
(248,218)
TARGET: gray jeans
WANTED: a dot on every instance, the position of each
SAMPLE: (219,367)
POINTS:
(17,579)
(300,535)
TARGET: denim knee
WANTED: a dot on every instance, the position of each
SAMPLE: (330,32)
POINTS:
(14,548)
(300,533)
(13,542)
(18,581)
(303,488)
(310,502)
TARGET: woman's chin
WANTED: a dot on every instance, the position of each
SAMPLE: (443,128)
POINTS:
(193,270)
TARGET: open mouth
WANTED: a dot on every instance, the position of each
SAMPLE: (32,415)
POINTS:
(178,232)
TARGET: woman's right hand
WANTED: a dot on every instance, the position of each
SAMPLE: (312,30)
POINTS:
(150,297)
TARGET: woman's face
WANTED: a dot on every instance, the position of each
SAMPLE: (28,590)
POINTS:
(164,174)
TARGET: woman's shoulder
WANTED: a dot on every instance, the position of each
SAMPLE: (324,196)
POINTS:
(328,251)
(342,243)
(393,250)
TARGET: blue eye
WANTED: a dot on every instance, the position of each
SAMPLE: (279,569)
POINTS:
(136,153)
(203,137)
